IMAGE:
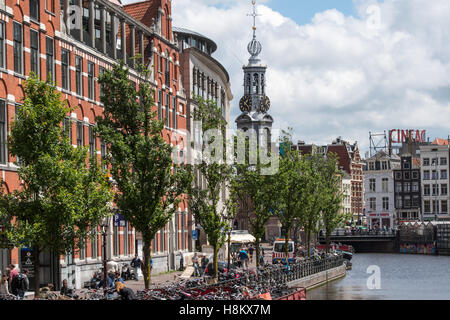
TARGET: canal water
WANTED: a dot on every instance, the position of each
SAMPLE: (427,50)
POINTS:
(390,277)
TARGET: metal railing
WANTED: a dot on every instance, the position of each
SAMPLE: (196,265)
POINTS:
(284,274)
(363,233)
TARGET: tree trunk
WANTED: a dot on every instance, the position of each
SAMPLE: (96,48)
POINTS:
(37,284)
(216,249)
(258,252)
(229,252)
(308,236)
(147,268)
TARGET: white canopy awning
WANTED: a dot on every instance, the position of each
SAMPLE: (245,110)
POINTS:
(242,238)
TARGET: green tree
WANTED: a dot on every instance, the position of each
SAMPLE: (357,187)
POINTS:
(331,217)
(209,203)
(150,187)
(312,210)
(293,180)
(63,196)
(257,195)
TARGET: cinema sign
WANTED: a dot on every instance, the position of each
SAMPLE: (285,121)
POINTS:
(402,136)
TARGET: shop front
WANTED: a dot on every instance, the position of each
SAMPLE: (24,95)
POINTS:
(380,221)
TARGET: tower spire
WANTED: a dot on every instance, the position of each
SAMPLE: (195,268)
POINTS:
(254,47)
(254,15)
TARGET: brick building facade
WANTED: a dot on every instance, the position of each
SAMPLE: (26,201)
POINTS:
(46,38)
(350,162)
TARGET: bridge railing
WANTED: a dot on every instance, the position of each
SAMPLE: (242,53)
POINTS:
(362,233)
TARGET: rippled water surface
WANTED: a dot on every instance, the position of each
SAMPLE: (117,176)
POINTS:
(402,277)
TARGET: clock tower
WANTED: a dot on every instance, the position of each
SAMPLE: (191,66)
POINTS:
(255,104)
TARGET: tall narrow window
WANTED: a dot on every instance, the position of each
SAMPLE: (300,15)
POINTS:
(34,51)
(177,235)
(174,114)
(103,154)
(2,44)
(162,239)
(65,69)
(18,47)
(3,128)
(92,146)
(91,75)
(182,231)
(80,134)
(79,75)
(34,10)
(116,241)
(49,49)
(125,240)
(100,71)
(67,126)
(167,70)
(160,103)
(94,244)
(167,110)
(194,81)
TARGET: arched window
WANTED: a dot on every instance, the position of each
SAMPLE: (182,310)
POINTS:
(167,69)
(256,83)
(268,138)
(248,84)
(166,13)
(195,82)
(263,84)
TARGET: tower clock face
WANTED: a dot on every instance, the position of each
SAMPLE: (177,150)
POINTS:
(246,104)
(264,104)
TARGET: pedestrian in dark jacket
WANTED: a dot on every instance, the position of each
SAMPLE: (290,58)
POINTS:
(250,250)
(136,264)
(124,292)
(23,284)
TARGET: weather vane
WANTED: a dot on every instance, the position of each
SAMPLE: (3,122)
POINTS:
(254,15)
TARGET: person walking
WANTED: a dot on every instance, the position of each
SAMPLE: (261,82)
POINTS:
(4,285)
(243,257)
(12,272)
(196,265)
(204,262)
(23,284)
(250,250)
(136,264)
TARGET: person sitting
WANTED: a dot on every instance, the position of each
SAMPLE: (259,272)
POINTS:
(118,278)
(65,290)
(44,292)
(110,280)
(124,292)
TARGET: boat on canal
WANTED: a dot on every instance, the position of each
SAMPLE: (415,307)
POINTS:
(346,250)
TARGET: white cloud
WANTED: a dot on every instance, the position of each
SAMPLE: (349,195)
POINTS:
(339,75)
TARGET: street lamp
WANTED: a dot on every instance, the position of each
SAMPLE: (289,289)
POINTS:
(104,227)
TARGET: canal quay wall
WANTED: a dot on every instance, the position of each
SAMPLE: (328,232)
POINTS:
(319,279)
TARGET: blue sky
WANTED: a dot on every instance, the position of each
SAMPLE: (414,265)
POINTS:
(368,65)
(302,11)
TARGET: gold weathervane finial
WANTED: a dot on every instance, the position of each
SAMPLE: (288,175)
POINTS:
(254,15)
